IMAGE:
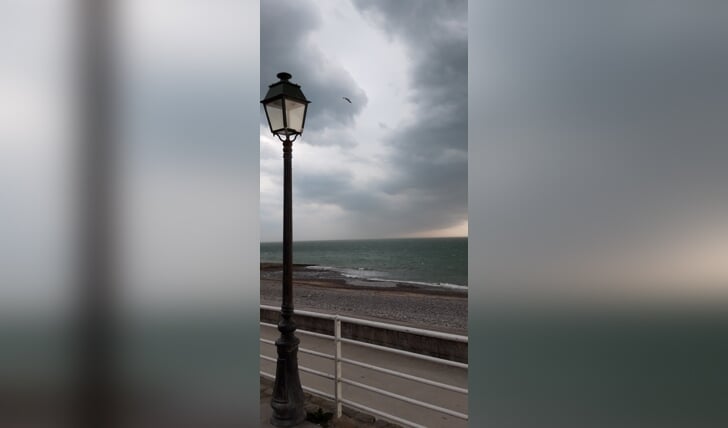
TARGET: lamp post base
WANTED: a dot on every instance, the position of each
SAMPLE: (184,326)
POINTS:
(288,401)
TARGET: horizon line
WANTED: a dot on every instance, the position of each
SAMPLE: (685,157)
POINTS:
(366,239)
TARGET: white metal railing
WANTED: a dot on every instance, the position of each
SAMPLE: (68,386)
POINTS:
(338,378)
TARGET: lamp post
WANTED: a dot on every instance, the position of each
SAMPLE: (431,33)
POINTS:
(285,108)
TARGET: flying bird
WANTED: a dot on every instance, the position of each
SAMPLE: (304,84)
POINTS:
(347,99)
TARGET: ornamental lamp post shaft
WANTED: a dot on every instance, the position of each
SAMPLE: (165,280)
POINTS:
(285,109)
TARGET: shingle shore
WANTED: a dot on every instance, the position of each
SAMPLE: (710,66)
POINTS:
(444,310)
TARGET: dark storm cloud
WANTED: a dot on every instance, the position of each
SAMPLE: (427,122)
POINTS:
(417,20)
(603,132)
(435,35)
(334,188)
(285,46)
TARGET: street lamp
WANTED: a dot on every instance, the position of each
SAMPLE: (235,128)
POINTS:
(285,108)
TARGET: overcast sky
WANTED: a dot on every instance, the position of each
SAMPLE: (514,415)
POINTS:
(391,163)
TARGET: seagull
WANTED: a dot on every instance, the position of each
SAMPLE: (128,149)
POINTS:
(347,99)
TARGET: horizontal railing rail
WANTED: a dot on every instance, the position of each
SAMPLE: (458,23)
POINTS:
(369,323)
(338,378)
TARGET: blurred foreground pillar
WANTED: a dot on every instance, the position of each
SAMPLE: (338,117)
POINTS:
(95,395)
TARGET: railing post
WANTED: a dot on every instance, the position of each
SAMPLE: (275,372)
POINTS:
(337,368)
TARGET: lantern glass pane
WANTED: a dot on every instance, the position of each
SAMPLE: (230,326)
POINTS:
(274,109)
(295,111)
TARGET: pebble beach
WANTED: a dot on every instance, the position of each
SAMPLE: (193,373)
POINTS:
(324,291)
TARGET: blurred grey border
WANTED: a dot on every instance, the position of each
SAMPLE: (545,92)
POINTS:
(596,136)
(598,207)
(187,175)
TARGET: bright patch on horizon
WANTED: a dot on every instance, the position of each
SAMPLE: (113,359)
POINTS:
(459,230)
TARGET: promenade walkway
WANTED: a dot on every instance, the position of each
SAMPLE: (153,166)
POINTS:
(348,420)
(450,375)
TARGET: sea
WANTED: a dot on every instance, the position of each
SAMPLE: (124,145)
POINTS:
(436,262)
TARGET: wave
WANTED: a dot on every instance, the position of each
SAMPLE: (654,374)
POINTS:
(354,273)
(426,284)
(378,276)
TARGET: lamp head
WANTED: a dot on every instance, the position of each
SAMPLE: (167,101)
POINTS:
(285,107)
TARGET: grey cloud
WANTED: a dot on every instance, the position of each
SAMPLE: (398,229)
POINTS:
(418,21)
(324,187)
(371,211)
(335,187)
(439,91)
(285,27)
(331,137)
